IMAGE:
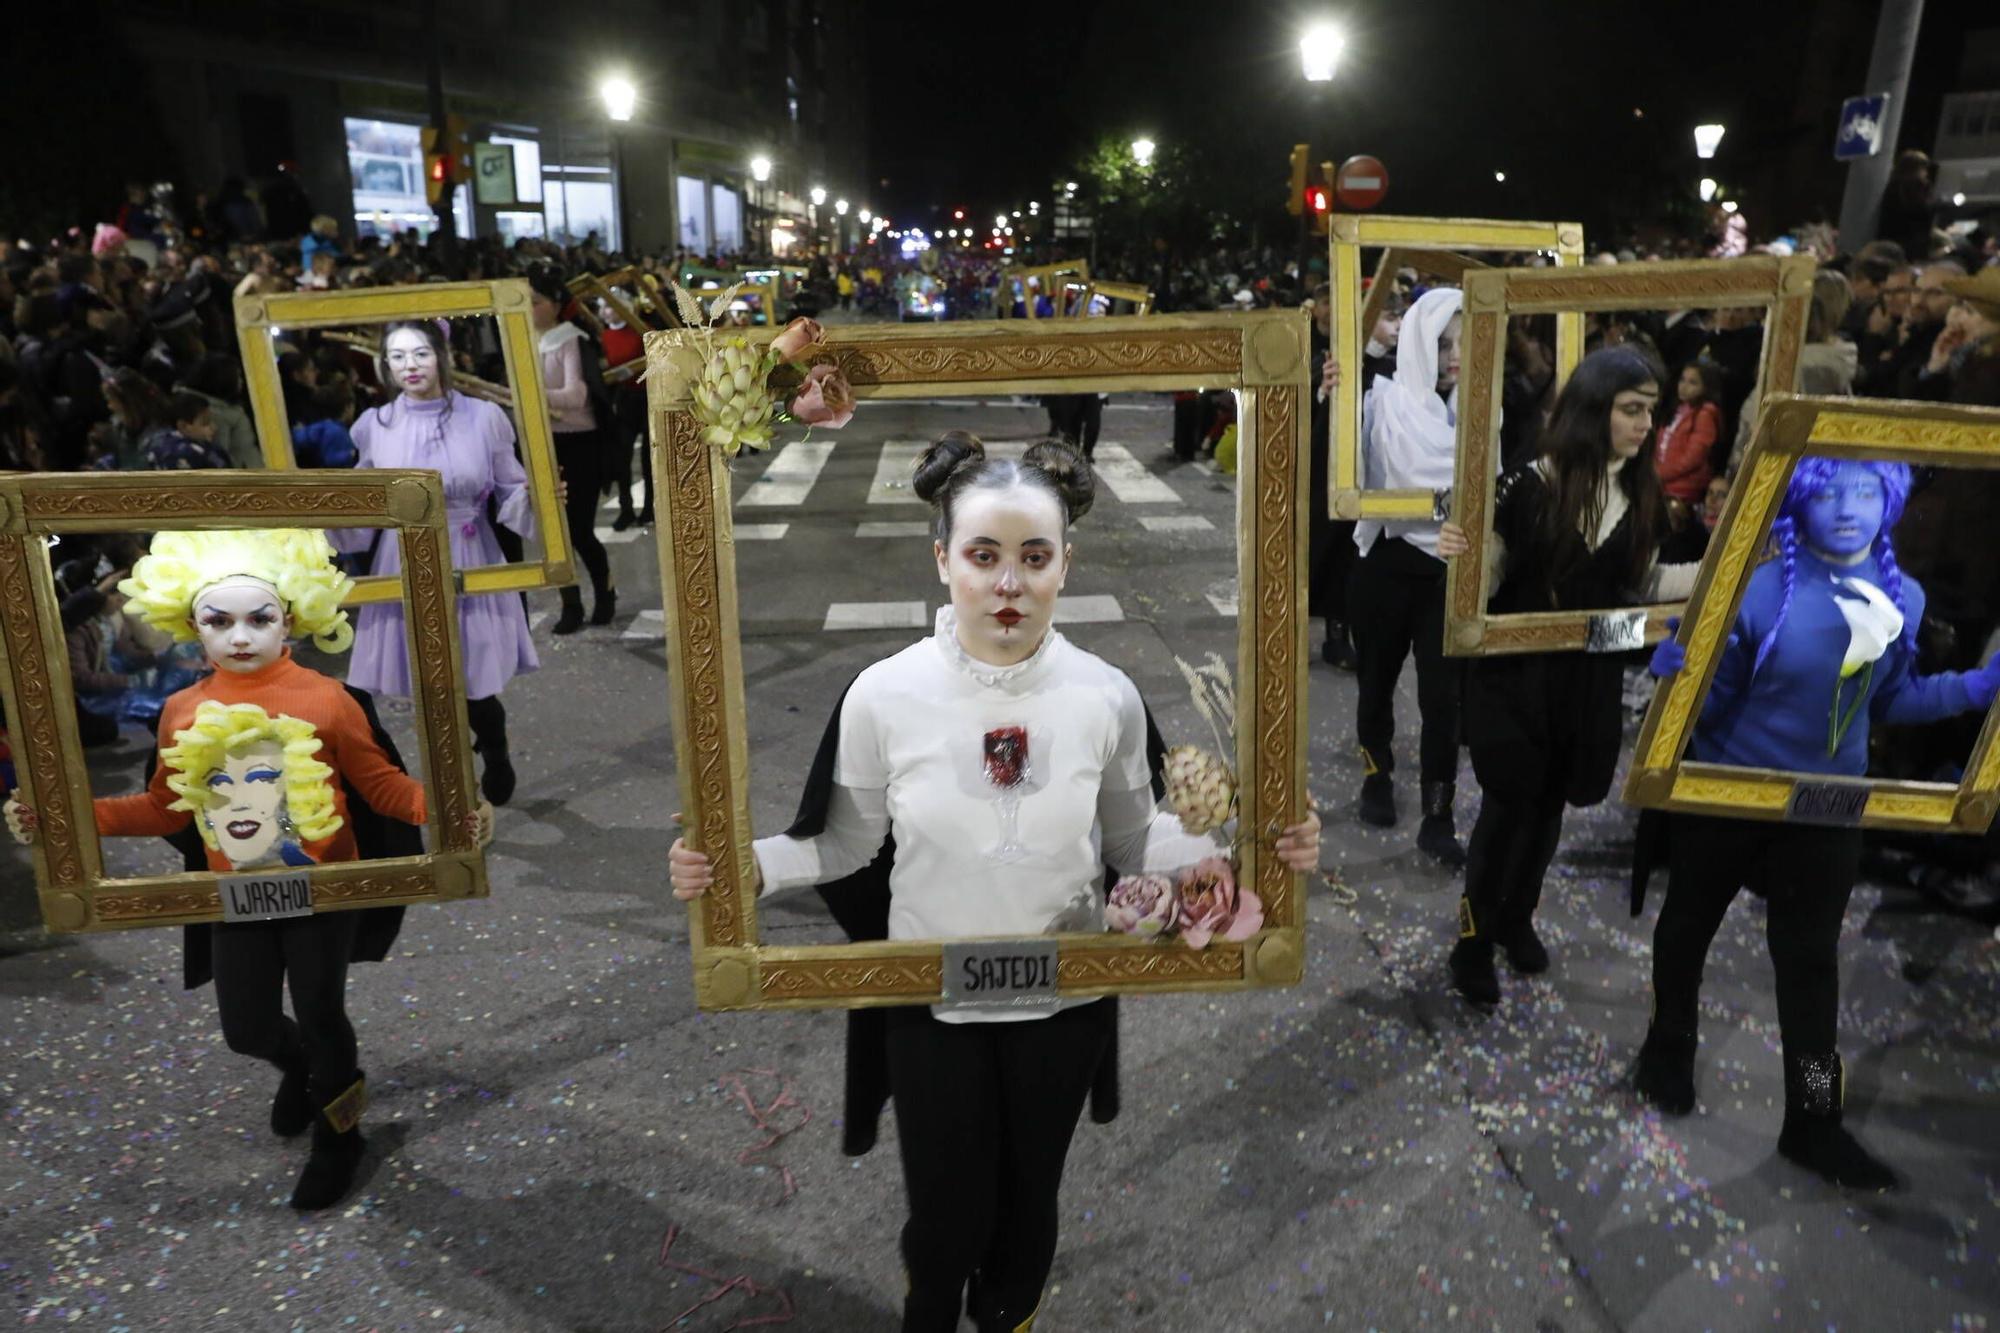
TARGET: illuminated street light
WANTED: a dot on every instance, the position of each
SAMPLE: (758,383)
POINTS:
(1142,151)
(1500,176)
(619,97)
(840,207)
(1707,138)
(818,195)
(1707,189)
(999,220)
(865,215)
(1319,51)
(1069,187)
(1958,200)
(1729,205)
(760,169)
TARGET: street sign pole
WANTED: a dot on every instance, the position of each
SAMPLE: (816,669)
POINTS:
(1888,72)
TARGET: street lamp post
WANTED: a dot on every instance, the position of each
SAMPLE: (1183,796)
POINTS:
(818,197)
(620,98)
(1707,138)
(1142,151)
(760,172)
(1320,48)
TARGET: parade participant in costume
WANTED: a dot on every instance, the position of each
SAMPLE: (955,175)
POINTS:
(986,1102)
(579,415)
(470,443)
(1823,644)
(1396,590)
(259,752)
(1578,528)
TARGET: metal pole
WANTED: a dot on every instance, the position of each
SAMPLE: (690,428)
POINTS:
(1888,72)
(434,79)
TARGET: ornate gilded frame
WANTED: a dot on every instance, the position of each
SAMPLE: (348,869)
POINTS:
(1050,277)
(1263,357)
(75,893)
(506,299)
(1783,287)
(1788,429)
(1137,293)
(1435,246)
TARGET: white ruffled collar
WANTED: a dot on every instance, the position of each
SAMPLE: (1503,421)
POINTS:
(984,673)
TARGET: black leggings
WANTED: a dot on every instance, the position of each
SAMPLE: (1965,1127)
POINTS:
(1506,860)
(1805,874)
(254,963)
(628,445)
(984,1116)
(580,455)
(1395,606)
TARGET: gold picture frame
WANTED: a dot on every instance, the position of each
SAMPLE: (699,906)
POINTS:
(1137,294)
(1782,286)
(1788,429)
(1050,277)
(1262,356)
(766,288)
(506,300)
(75,893)
(1435,246)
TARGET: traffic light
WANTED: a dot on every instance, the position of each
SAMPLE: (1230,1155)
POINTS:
(1318,203)
(445,158)
(1292,199)
(437,177)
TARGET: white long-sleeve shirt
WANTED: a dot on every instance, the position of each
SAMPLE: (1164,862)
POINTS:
(911,760)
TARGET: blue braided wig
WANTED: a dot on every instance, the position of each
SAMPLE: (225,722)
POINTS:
(1813,474)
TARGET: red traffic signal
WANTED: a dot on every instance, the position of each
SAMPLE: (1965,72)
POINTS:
(1318,200)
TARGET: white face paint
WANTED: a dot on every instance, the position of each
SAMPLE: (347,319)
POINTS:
(1006,564)
(247,796)
(413,364)
(242,624)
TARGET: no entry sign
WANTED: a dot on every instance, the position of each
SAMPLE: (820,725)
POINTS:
(1361,182)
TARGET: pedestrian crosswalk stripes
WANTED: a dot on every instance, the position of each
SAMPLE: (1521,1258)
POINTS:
(613,537)
(790,477)
(1128,478)
(875,615)
(915,527)
(892,474)
(1088,609)
(1175,523)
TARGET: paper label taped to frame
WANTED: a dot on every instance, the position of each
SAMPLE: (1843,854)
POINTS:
(1000,974)
(1615,631)
(269,897)
(1840,804)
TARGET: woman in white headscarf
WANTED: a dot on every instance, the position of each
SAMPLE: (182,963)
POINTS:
(1396,593)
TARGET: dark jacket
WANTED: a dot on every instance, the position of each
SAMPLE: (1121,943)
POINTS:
(860,905)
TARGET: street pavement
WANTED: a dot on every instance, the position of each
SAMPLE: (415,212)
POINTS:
(559,1140)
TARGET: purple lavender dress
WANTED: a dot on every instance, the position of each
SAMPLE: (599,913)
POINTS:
(472,446)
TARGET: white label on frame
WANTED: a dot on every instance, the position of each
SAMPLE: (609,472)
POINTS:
(270,897)
(1000,974)
(1615,632)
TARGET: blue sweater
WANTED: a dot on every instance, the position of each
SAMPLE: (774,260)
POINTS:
(1784,719)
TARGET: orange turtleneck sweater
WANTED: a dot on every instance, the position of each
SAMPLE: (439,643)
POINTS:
(347,745)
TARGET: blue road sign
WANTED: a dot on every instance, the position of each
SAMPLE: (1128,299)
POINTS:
(1860,133)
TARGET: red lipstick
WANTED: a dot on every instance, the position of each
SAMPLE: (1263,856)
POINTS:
(1009,617)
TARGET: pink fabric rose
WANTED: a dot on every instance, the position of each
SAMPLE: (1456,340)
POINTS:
(1141,905)
(1212,904)
(799,339)
(825,399)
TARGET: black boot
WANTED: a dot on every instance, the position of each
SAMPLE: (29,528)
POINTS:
(1664,1074)
(292,1109)
(1378,793)
(489,739)
(571,619)
(1437,836)
(336,1150)
(1813,1136)
(1471,964)
(1525,951)
(646,517)
(989,1313)
(1338,650)
(626,518)
(605,607)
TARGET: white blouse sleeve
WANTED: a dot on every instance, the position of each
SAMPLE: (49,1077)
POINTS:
(857,816)
(1671,583)
(1138,836)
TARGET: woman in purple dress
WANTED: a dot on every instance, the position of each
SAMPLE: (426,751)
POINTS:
(470,443)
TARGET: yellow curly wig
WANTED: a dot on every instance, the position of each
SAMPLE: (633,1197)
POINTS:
(220,730)
(298,562)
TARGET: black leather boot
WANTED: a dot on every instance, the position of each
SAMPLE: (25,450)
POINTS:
(337,1146)
(1437,835)
(1525,951)
(489,738)
(1378,793)
(1338,650)
(1664,1074)
(604,607)
(1471,962)
(1813,1136)
(571,619)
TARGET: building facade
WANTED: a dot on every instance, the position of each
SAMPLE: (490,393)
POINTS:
(340,91)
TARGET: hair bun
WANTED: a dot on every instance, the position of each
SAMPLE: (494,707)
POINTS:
(947,454)
(1062,463)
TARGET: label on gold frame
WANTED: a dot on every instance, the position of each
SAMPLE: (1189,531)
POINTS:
(1615,631)
(1014,975)
(1838,804)
(267,897)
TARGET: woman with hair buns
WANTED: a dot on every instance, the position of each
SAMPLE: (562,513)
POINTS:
(469,443)
(986,1102)
(260,751)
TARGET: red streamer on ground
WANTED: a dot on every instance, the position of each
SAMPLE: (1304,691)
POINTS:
(738,1085)
(724,1285)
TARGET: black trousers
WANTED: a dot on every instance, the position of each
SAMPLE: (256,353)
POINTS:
(1805,875)
(255,962)
(1508,855)
(984,1117)
(628,446)
(1077,417)
(581,456)
(1395,606)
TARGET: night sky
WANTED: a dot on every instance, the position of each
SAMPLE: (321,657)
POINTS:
(968,107)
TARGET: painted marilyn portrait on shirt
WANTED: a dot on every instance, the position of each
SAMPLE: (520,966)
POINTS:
(254,782)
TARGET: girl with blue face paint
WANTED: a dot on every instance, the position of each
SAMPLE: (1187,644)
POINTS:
(1824,643)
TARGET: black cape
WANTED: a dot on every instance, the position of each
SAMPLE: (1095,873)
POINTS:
(860,905)
(376,837)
